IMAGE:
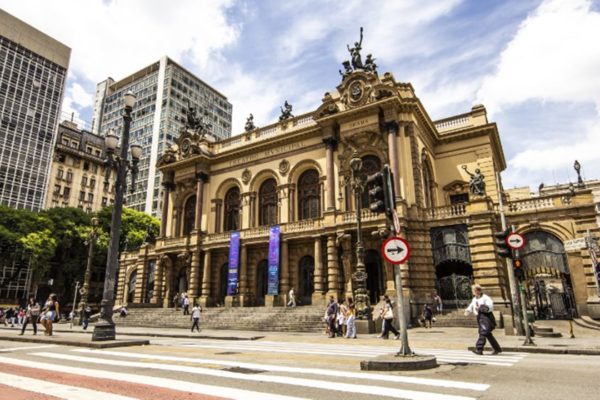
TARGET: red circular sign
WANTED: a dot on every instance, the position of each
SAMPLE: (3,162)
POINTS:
(395,250)
(515,241)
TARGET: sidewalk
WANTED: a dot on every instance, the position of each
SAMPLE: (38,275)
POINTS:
(586,342)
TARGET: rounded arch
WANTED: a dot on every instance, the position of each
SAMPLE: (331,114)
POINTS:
(302,167)
(189,214)
(561,232)
(262,176)
(268,202)
(232,204)
(131,284)
(543,252)
(226,185)
(428,178)
(309,194)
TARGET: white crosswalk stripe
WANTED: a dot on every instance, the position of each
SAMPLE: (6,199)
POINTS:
(308,379)
(357,351)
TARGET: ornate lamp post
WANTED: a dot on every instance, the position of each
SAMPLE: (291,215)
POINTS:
(105,328)
(360,276)
(85,290)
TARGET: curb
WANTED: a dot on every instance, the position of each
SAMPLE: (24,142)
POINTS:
(547,350)
(90,344)
(392,362)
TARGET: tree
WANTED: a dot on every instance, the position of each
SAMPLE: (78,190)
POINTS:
(137,228)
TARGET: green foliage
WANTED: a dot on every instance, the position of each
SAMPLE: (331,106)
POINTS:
(136,228)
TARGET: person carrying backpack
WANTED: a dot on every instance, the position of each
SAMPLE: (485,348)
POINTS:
(483,306)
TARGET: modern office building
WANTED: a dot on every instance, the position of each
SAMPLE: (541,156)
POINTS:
(163,90)
(33,68)
(77,177)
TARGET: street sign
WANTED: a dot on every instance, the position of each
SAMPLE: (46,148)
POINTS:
(395,250)
(575,244)
(515,241)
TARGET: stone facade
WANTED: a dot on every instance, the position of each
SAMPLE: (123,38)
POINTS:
(296,173)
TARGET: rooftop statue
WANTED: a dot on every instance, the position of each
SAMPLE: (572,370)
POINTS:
(370,65)
(250,123)
(355,52)
(195,122)
(286,111)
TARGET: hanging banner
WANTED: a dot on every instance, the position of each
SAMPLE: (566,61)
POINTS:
(234,260)
(273,287)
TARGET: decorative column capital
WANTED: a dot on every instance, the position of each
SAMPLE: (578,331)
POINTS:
(392,128)
(330,143)
(202,176)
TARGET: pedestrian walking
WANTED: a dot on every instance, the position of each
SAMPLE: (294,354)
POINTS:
(10,316)
(341,317)
(86,315)
(186,305)
(437,302)
(426,316)
(387,313)
(350,321)
(50,314)
(483,306)
(176,301)
(21,317)
(292,297)
(31,315)
(195,317)
(331,313)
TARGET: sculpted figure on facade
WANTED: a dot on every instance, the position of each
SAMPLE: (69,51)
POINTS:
(347,69)
(476,184)
(250,123)
(195,123)
(370,65)
(286,111)
(355,52)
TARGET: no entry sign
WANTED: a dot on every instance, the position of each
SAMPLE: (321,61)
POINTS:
(515,241)
(395,250)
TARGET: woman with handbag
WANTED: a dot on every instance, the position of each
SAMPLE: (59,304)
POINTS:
(50,314)
(387,313)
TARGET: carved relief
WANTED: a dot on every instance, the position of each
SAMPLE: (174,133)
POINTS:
(284,167)
(246,176)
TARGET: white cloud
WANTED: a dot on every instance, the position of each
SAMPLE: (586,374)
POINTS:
(80,96)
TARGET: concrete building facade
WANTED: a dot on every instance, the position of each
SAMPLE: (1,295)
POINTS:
(163,90)
(77,177)
(33,69)
(294,176)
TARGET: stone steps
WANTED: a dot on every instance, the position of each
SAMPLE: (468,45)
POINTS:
(543,331)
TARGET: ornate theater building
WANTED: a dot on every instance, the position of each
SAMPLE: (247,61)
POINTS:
(246,219)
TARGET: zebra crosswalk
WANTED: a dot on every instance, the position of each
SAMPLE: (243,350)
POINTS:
(343,350)
(144,372)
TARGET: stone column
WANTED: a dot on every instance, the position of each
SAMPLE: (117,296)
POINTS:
(206,300)
(318,297)
(194,276)
(392,133)
(158,281)
(168,295)
(121,296)
(284,282)
(217,209)
(201,179)
(330,146)
(333,272)
(167,185)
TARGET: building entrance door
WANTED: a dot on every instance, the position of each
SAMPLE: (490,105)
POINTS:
(375,284)
(453,284)
(261,282)
(306,280)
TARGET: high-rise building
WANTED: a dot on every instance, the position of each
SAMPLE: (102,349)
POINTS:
(163,90)
(77,178)
(33,68)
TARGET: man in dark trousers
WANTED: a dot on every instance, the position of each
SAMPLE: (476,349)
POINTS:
(332,310)
(483,306)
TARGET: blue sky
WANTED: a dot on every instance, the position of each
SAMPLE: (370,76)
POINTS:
(534,64)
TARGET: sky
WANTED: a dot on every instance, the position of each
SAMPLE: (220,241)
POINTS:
(534,64)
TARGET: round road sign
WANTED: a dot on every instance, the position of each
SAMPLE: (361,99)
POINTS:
(395,250)
(515,241)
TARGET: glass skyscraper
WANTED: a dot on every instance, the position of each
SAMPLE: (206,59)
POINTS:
(163,90)
(33,68)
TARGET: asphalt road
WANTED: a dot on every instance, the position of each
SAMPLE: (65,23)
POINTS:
(262,369)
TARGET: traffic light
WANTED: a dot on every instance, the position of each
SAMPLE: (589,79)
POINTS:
(502,248)
(518,266)
(377,195)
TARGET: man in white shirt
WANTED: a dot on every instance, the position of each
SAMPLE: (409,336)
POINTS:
(483,306)
(292,297)
(195,317)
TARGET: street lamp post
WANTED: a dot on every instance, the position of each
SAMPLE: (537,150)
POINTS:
(85,290)
(105,327)
(360,276)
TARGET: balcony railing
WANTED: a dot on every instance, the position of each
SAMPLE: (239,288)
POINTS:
(302,226)
(451,211)
(349,217)
(538,204)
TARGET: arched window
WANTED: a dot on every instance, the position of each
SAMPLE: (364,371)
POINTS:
(131,287)
(268,202)
(189,215)
(370,165)
(231,220)
(428,185)
(309,195)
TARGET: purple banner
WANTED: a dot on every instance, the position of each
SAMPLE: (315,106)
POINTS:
(234,260)
(274,260)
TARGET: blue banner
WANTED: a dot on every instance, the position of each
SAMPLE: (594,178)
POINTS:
(274,260)
(234,260)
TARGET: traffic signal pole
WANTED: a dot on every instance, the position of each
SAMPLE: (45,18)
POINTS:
(510,269)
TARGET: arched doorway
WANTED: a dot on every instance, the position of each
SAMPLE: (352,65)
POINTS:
(547,276)
(375,284)
(261,282)
(182,283)
(131,287)
(306,272)
(223,276)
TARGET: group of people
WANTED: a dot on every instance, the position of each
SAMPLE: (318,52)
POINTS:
(33,314)
(182,300)
(340,318)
